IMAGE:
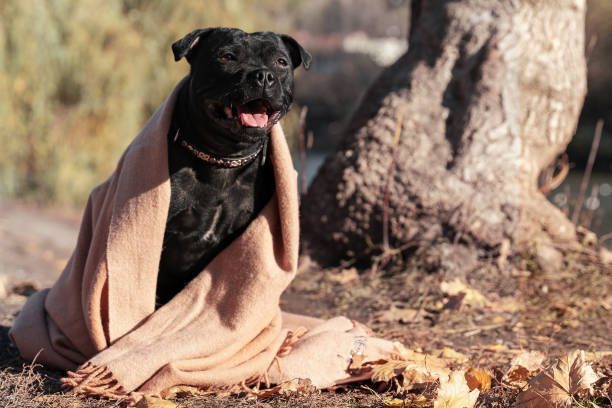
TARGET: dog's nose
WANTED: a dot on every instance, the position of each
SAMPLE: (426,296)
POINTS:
(263,78)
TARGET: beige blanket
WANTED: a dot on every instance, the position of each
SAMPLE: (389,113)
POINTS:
(225,328)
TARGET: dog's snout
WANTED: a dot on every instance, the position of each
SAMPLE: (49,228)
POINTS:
(263,78)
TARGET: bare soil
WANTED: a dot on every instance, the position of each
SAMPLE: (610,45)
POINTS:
(521,308)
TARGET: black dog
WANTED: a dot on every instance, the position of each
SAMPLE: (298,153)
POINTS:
(239,86)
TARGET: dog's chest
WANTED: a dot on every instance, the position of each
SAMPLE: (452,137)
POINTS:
(209,207)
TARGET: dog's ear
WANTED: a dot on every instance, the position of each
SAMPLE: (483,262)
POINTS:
(186,46)
(299,56)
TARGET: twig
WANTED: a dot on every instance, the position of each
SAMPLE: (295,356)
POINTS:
(587,172)
(591,209)
(566,206)
(590,48)
(398,132)
(386,255)
(605,237)
(555,181)
(302,143)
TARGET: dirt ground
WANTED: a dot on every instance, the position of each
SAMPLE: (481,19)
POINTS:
(495,316)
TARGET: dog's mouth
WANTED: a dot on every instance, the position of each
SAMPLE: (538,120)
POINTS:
(257,113)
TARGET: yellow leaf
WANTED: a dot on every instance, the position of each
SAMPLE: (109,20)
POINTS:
(455,393)
(154,402)
(480,379)
(498,319)
(420,401)
(395,402)
(555,386)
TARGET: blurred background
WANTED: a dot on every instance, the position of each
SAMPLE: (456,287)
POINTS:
(78,79)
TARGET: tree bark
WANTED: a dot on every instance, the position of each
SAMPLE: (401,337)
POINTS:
(490,92)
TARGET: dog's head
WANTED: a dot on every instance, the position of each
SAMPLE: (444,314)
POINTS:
(242,83)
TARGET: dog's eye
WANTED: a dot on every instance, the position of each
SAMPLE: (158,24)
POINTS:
(227,57)
(282,62)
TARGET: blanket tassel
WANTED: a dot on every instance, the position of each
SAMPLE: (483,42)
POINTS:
(91,380)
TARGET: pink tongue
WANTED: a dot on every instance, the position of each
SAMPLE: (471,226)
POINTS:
(253,114)
(254,119)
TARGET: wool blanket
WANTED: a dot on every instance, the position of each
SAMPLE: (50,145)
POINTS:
(224,328)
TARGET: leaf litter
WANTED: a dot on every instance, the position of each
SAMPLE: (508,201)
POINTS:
(558,384)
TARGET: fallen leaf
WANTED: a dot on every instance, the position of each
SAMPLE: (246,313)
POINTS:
(450,355)
(420,401)
(443,356)
(456,287)
(531,360)
(356,363)
(524,366)
(183,391)
(414,368)
(605,255)
(495,348)
(394,402)
(480,379)
(154,402)
(506,304)
(555,386)
(596,355)
(297,386)
(498,319)
(606,303)
(519,376)
(455,393)
(345,276)
(394,314)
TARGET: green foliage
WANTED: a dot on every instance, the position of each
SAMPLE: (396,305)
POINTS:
(80,78)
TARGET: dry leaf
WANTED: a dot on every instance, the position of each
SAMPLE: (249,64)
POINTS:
(154,402)
(455,393)
(296,386)
(519,376)
(345,276)
(524,366)
(472,296)
(420,401)
(605,256)
(531,360)
(450,355)
(443,356)
(495,348)
(414,368)
(394,314)
(182,391)
(356,364)
(480,379)
(596,355)
(394,402)
(555,386)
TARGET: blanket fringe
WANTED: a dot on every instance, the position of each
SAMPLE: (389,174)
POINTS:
(91,380)
(251,385)
(292,338)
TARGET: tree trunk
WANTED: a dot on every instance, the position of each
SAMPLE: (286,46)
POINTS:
(490,92)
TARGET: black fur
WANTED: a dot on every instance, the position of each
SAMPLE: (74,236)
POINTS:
(210,205)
